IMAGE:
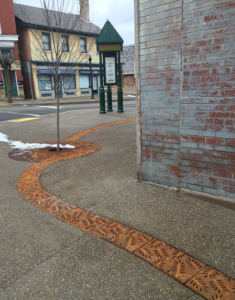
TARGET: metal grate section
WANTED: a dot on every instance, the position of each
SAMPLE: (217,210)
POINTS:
(202,279)
(112,47)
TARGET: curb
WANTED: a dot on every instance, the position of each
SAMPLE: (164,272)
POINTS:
(61,103)
(218,200)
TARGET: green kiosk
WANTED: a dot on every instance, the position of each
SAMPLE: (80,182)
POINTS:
(109,45)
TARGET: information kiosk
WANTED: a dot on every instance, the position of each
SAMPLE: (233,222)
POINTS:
(109,45)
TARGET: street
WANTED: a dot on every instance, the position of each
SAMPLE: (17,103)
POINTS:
(35,111)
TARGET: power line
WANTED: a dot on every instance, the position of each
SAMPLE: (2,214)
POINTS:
(123,22)
(128,34)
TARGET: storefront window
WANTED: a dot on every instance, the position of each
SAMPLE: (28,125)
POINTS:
(84,81)
(69,82)
(44,82)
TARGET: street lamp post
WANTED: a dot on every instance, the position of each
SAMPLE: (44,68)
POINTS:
(91,82)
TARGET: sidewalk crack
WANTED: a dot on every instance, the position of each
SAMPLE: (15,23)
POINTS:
(107,199)
(38,264)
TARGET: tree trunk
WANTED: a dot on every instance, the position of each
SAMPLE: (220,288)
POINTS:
(58,111)
(58,123)
(8,84)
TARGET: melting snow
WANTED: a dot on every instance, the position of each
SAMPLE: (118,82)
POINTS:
(84,20)
(24,146)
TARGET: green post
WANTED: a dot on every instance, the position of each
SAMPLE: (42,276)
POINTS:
(109,98)
(120,92)
(102,94)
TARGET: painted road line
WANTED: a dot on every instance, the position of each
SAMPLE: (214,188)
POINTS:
(22,120)
(6,105)
(54,107)
(15,113)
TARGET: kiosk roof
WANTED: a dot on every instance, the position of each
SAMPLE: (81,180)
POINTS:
(109,35)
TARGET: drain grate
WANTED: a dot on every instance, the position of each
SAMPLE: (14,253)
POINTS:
(202,279)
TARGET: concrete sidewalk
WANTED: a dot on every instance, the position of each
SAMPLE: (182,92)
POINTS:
(44,258)
(128,94)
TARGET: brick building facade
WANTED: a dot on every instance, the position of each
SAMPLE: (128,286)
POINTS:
(185,65)
(9,43)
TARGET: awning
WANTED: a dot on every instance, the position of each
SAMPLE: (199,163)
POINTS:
(45,72)
(70,72)
(88,72)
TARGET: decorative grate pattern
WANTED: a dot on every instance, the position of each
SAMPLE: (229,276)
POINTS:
(202,279)
(112,47)
(170,260)
(44,154)
(212,284)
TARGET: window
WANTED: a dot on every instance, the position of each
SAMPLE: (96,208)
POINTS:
(44,82)
(64,43)
(84,81)
(46,42)
(69,82)
(5,52)
(83,45)
(13,79)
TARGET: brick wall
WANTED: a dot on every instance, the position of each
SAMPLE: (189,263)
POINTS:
(208,102)
(160,68)
(8,27)
(187,70)
(128,81)
(7,17)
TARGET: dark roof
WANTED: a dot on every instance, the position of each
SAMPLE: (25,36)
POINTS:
(109,35)
(128,59)
(36,16)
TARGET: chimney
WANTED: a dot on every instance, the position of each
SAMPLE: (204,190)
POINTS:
(84,9)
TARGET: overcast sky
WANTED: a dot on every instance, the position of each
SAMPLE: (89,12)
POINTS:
(117,11)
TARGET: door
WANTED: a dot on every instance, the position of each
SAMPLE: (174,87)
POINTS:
(95,85)
(14,90)
(60,88)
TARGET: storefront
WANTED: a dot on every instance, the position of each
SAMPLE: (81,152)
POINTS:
(14,82)
(73,83)
(47,84)
(84,82)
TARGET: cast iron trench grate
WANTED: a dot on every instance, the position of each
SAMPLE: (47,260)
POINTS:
(194,274)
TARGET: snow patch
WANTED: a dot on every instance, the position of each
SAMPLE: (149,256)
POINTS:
(84,20)
(24,146)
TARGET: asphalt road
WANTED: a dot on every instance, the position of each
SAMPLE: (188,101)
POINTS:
(34,111)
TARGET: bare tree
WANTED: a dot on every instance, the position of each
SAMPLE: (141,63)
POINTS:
(62,21)
(6,63)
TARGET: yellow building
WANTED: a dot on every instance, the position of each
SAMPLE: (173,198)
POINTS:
(60,42)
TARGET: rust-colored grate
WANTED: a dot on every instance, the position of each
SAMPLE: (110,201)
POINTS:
(45,154)
(170,260)
(202,279)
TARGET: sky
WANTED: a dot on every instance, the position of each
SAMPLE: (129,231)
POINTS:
(116,11)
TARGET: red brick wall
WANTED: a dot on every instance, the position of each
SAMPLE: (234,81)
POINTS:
(187,69)
(160,68)
(19,75)
(208,102)
(7,17)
